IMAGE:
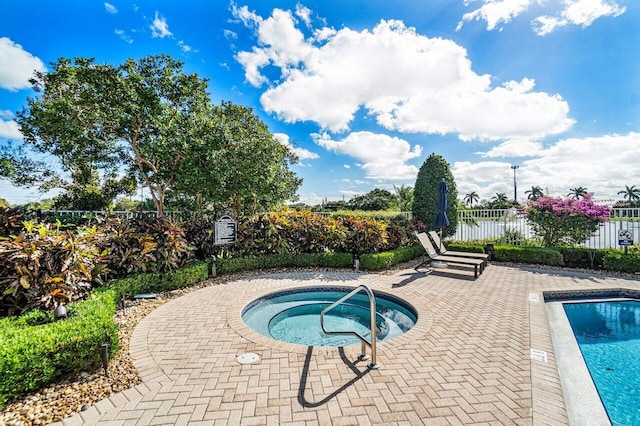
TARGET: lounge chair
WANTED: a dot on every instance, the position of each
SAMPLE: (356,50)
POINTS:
(432,255)
(443,250)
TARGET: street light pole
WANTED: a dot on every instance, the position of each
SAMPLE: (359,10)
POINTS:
(515,187)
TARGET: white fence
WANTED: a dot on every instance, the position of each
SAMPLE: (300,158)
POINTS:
(511,226)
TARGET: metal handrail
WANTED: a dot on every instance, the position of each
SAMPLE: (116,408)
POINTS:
(363,340)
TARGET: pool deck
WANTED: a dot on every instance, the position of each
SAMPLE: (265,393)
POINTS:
(475,356)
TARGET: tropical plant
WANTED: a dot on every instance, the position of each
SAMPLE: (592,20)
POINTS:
(534,193)
(500,201)
(404,197)
(471,198)
(630,193)
(43,267)
(425,203)
(569,220)
(578,192)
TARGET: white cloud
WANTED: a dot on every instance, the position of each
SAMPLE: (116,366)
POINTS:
(17,65)
(346,166)
(110,8)
(10,130)
(185,47)
(604,165)
(382,156)
(160,28)
(554,13)
(496,11)
(123,35)
(230,35)
(514,148)
(408,82)
(304,13)
(577,12)
(303,154)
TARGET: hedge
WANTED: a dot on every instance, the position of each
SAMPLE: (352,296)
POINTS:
(384,260)
(536,255)
(36,350)
(161,281)
(582,257)
(618,260)
(471,248)
(227,265)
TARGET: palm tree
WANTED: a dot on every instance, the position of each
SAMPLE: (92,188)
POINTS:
(471,198)
(404,197)
(630,193)
(499,201)
(534,193)
(577,192)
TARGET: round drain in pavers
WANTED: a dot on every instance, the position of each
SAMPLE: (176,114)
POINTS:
(248,358)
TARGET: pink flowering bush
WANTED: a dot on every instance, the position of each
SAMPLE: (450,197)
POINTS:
(568,220)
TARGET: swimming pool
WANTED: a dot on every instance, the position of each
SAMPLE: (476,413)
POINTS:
(294,316)
(608,335)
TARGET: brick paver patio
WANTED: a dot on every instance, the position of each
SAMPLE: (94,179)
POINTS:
(467,360)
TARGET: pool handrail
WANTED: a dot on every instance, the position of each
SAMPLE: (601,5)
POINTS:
(363,340)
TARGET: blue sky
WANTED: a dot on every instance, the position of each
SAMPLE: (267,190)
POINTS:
(365,91)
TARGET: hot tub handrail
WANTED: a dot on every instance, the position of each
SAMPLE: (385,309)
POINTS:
(364,343)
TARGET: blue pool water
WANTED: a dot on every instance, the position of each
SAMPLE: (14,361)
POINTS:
(294,316)
(608,334)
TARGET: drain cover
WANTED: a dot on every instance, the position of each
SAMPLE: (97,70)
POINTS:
(248,358)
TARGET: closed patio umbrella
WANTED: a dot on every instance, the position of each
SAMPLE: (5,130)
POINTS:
(442,221)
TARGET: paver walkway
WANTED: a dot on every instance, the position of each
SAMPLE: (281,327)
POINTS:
(467,360)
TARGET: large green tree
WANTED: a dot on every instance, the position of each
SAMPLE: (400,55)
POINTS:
(238,165)
(376,199)
(150,121)
(133,120)
(425,203)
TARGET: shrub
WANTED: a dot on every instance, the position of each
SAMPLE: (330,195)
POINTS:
(254,262)
(287,231)
(384,260)
(467,247)
(582,257)
(362,235)
(618,260)
(425,201)
(143,244)
(558,220)
(161,281)
(35,351)
(533,255)
(40,268)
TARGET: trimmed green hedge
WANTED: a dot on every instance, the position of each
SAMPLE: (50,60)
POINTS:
(161,281)
(266,261)
(582,257)
(618,260)
(35,350)
(384,260)
(536,255)
(471,248)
